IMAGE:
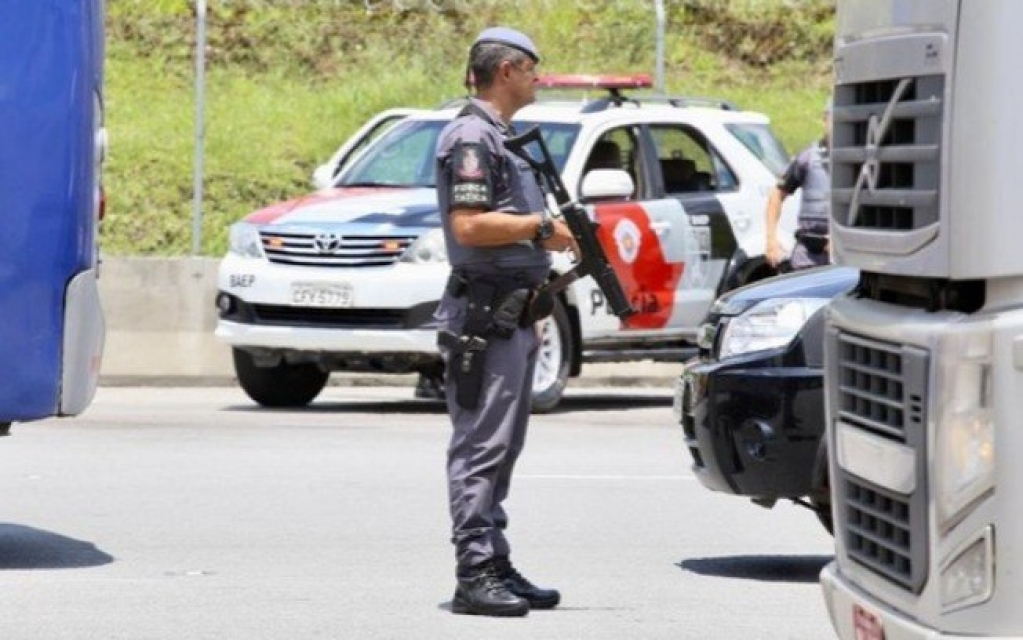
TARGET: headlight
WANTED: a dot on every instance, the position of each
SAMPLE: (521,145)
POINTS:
(965,461)
(427,248)
(243,239)
(768,325)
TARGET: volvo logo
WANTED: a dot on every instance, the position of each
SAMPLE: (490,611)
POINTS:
(877,129)
(327,243)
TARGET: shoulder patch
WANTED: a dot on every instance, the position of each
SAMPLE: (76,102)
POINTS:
(471,182)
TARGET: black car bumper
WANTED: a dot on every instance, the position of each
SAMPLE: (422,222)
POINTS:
(753,425)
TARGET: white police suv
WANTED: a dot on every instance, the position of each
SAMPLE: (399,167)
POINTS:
(347,278)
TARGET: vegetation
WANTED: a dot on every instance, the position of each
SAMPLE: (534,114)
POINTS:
(288,80)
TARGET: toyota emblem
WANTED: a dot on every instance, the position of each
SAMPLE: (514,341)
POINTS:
(327,242)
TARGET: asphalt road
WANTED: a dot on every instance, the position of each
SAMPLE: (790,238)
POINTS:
(190,513)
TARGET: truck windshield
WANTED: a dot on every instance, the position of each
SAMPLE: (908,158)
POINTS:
(404,155)
(759,139)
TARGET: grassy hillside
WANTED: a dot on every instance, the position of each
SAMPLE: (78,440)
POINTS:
(288,80)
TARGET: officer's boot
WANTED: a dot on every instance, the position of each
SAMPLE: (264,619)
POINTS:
(481,592)
(537,597)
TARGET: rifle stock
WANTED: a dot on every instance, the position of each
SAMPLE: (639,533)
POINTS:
(593,261)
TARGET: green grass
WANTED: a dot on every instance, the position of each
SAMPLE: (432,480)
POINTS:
(287,82)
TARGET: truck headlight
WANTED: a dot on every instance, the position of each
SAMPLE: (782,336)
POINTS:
(426,249)
(767,325)
(243,239)
(965,460)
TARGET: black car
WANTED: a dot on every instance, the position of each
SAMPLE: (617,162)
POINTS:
(751,404)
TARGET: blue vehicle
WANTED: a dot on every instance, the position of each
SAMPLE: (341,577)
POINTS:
(52,144)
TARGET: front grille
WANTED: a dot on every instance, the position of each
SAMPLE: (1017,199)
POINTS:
(886,153)
(332,250)
(871,392)
(878,532)
(332,318)
(881,390)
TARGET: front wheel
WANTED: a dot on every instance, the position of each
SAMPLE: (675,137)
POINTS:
(283,385)
(554,360)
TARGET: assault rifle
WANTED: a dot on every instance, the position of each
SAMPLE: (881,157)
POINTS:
(592,261)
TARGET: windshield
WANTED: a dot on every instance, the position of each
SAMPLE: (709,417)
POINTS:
(404,155)
(759,139)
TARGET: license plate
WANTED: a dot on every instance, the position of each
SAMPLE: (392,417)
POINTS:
(866,624)
(321,294)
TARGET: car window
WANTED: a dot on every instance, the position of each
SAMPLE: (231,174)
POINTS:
(403,156)
(618,149)
(378,129)
(759,139)
(558,138)
(688,162)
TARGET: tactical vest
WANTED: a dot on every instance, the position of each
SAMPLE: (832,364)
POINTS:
(814,212)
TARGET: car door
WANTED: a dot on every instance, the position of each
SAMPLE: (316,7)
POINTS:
(633,232)
(693,174)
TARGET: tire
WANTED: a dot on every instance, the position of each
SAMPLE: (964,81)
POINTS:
(284,385)
(554,360)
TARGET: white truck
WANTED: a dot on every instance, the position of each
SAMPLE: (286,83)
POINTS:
(924,360)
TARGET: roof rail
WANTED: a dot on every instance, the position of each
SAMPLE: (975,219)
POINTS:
(692,101)
(603,104)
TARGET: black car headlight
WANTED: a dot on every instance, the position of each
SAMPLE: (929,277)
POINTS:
(769,324)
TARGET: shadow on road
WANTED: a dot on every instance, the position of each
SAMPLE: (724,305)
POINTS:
(24,547)
(766,568)
(408,407)
(577,402)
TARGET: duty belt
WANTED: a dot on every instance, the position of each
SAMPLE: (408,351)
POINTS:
(458,283)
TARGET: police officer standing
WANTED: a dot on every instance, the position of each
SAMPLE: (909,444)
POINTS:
(498,235)
(810,172)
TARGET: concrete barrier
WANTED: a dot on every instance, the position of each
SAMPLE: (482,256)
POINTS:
(160,319)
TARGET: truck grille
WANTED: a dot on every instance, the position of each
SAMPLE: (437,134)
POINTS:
(877,531)
(315,249)
(881,391)
(886,152)
(870,388)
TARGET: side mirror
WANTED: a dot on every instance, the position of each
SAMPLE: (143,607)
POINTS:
(604,184)
(323,176)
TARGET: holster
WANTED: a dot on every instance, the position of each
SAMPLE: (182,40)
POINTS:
(465,366)
(493,310)
(815,243)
